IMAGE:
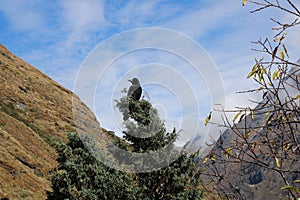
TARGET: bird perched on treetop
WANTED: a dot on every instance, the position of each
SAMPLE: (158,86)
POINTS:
(134,94)
(135,90)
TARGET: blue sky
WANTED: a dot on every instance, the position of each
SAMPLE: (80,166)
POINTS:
(56,36)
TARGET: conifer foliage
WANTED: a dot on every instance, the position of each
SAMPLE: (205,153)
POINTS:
(145,131)
(81,176)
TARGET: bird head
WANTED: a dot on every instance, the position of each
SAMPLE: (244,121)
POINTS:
(134,81)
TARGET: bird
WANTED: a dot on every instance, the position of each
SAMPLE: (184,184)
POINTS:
(134,94)
(135,90)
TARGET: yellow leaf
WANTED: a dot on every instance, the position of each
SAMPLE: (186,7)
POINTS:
(276,74)
(251,74)
(259,89)
(247,135)
(287,187)
(263,70)
(266,115)
(207,119)
(285,50)
(291,188)
(253,71)
(252,114)
(196,154)
(259,149)
(242,117)
(270,118)
(281,54)
(298,97)
(269,84)
(237,115)
(282,37)
(277,162)
(244,2)
(297,181)
(287,147)
(260,77)
(228,152)
(276,39)
(205,160)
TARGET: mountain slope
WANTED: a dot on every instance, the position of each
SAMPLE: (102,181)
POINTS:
(240,175)
(35,112)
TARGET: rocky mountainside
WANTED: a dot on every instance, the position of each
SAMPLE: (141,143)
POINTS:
(35,113)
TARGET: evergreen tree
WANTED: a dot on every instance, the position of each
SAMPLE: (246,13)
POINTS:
(82,176)
(145,131)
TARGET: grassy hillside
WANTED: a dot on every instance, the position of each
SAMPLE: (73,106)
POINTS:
(35,112)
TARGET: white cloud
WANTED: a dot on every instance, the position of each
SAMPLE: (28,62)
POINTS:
(293,43)
(81,17)
(225,29)
(134,14)
(23,15)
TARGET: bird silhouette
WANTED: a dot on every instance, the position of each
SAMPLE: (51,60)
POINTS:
(134,94)
(135,90)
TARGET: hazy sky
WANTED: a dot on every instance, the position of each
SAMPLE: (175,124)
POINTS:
(56,36)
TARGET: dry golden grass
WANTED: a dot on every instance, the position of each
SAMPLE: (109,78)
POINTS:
(34,112)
